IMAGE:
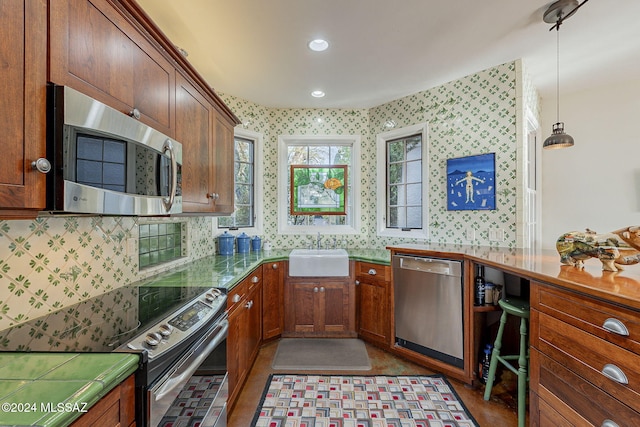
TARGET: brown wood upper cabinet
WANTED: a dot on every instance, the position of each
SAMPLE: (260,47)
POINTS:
(97,50)
(23,86)
(111,51)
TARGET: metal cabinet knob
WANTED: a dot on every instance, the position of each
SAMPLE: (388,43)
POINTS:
(357,282)
(236,298)
(249,304)
(609,423)
(42,165)
(274,266)
(315,289)
(321,288)
(135,113)
(373,272)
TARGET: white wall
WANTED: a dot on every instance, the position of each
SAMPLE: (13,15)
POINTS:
(596,183)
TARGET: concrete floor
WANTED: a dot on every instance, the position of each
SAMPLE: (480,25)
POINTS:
(500,411)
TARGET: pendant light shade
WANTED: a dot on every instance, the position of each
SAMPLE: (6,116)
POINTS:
(558,138)
(557,13)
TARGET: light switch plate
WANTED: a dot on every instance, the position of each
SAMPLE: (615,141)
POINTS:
(470,234)
(496,235)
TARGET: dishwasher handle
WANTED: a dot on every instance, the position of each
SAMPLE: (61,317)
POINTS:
(429,265)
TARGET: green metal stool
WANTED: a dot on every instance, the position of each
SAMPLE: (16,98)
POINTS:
(520,308)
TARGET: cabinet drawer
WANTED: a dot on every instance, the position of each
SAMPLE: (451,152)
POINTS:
(612,323)
(377,271)
(590,357)
(254,279)
(236,295)
(576,396)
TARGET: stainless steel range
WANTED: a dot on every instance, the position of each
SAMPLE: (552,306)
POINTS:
(180,333)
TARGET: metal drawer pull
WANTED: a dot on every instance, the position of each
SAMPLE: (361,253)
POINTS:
(614,373)
(609,423)
(615,326)
(373,272)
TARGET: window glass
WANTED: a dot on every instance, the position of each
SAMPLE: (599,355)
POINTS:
(402,182)
(244,185)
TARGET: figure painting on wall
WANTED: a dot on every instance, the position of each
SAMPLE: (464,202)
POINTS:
(471,182)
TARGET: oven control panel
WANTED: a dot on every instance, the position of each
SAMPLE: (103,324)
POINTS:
(190,316)
(181,324)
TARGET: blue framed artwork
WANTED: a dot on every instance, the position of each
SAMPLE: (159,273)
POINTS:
(471,183)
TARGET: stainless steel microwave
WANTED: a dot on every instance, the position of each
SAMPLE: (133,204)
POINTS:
(106,162)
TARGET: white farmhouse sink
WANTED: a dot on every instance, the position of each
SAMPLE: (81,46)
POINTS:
(318,262)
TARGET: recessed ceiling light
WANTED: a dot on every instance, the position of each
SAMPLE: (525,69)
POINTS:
(318,45)
(317,94)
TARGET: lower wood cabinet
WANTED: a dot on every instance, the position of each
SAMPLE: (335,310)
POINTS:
(273,299)
(373,314)
(319,307)
(584,359)
(245,330)
(117,408)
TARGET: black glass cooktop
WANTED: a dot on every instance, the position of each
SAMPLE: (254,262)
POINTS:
(100,324)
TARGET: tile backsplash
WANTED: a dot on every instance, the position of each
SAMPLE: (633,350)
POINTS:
(53,262)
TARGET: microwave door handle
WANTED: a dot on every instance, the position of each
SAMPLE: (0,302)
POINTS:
(168,201)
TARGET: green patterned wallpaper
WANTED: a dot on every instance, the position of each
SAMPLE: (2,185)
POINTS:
(473,115)
(53,262)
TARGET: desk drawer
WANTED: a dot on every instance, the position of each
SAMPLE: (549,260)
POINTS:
(572,395)
(590,357)
(596,317)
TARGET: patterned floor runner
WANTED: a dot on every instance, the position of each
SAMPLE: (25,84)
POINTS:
(193,402)
(360,401)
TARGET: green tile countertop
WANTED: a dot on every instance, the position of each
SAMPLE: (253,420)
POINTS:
(53,389)
(225,271)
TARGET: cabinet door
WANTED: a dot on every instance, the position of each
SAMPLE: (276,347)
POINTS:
(95,49)
(273,299)
(334,304)
(236,367)
(300,315)
(254,324)
(223,165)
(23,104)
(373,316)
(194,128)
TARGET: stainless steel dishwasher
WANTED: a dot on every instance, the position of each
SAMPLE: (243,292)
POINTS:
(428,307)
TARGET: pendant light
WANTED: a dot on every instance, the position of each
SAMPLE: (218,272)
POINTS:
(557,13)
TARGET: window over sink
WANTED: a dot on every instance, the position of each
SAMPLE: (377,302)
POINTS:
(325,151)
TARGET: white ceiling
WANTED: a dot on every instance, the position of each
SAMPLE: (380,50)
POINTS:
(381,50)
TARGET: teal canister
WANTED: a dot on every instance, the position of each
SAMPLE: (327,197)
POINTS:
(225,243)
(243,243)
(256,242)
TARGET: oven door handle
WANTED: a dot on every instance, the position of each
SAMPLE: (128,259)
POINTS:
(186,370)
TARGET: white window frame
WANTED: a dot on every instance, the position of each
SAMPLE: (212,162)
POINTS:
(258,184)
(381,154)
(283,174)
